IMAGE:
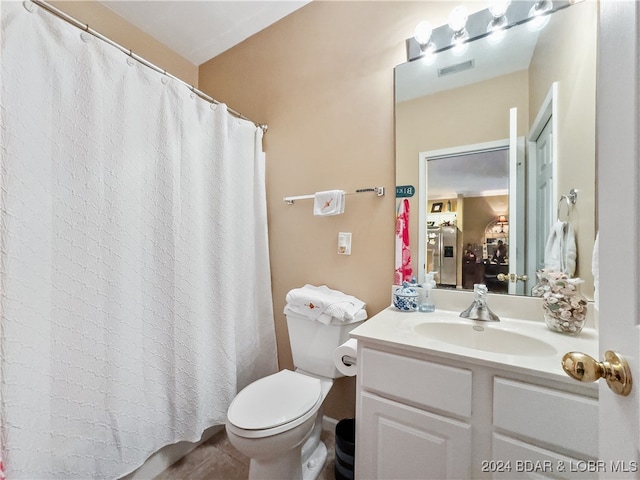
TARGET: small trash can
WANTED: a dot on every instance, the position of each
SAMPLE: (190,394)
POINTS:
(345,449)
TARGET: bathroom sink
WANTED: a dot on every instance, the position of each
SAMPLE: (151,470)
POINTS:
(485,338)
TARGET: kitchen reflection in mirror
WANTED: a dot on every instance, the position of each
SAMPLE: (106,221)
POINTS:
(494,138)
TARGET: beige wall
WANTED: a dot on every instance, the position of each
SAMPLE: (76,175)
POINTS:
(111,25)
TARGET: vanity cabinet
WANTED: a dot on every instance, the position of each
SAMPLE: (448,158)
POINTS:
(404,427)
(424,416)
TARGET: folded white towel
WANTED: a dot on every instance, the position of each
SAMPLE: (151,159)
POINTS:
(323,304)
(328,203)
(325,318)
(560,252)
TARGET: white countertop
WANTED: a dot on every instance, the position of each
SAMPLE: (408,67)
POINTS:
(394,328)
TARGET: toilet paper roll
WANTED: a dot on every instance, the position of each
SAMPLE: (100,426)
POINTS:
(344,365)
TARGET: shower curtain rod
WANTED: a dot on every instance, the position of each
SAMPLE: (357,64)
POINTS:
(83,26)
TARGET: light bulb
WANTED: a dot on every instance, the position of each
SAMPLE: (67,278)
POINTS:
(538,15)
(422,33)
(429,55)
(460,50)
(496,36)
(497,30)
(499,7)
(460,43)
(541,7)
(458,18)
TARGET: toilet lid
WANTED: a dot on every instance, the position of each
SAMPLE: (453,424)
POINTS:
(274,400)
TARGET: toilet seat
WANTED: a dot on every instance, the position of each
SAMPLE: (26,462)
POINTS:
(274,404)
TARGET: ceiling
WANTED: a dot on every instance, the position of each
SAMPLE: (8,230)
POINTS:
(201,30)
(475,174)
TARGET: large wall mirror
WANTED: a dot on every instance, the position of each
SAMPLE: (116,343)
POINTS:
(497,140)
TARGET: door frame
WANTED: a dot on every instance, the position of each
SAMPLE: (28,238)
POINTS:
(517,208)
(423,158)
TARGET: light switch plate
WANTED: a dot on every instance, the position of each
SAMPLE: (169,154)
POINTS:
(344,243)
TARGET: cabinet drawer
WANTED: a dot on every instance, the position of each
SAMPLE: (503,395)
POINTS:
(514,459)
(561,419)
(422,383)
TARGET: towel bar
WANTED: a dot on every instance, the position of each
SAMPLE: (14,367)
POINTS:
(379,191)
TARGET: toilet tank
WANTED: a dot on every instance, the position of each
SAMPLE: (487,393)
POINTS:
(313,343)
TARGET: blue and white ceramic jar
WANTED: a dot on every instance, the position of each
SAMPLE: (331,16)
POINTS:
(405,298)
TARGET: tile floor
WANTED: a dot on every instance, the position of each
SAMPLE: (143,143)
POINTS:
(217,459)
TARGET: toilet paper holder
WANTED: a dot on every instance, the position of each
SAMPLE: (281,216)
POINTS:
(345,358)
(348,360)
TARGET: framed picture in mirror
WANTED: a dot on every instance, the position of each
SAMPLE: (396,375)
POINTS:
(436,207)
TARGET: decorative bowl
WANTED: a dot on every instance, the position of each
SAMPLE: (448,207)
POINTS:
(405,299)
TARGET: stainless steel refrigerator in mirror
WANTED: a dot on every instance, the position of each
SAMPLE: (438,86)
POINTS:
(442,244)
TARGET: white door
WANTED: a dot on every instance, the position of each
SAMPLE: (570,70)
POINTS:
(618,146)
(541,188)
(544,185)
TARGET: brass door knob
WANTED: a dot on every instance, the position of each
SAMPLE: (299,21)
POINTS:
(615,370)
(511,277)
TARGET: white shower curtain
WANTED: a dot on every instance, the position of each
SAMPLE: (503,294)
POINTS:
(135,284)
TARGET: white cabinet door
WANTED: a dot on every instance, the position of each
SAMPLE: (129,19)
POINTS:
(396,441)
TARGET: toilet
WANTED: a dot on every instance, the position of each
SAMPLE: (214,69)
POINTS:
(277,420)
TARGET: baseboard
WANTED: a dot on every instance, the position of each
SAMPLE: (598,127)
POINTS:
(329,423)
(167,456)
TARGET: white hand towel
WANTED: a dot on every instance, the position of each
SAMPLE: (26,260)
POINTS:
(314,302)
(328,203)
(560,251)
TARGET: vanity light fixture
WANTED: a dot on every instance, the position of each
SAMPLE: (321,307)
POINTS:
(490,23)
(422,35)
(497,26)
(539,14)
(458,22)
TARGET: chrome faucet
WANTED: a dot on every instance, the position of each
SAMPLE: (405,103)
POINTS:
(479,310)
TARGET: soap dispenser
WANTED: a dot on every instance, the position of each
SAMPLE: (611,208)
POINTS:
(426,302)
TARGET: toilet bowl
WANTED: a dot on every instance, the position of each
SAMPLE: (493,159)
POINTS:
(277,420)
